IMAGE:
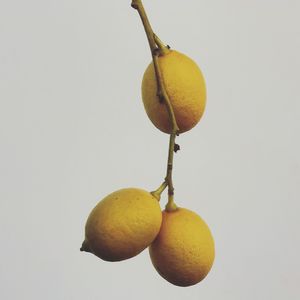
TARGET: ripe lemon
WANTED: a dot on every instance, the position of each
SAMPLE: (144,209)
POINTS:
(122,225)
(185,87)
(183,252)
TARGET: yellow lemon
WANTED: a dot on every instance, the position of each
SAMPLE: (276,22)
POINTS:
(185,87)
(122,225)
(183,252)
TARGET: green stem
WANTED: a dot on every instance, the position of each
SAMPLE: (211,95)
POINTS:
(159,191)
(171,204)
(154,41)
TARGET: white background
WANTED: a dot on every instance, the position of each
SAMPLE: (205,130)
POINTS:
(73,129)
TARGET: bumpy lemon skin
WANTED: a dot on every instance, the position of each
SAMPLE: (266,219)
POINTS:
(183,252)
(122,225)
(185,87)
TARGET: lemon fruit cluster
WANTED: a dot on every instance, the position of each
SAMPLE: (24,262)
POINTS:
(129,220)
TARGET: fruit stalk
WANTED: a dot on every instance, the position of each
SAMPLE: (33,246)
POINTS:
(157,48)
(159,191)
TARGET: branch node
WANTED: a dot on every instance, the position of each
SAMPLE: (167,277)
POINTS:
(176,148)
(156,52)
(134,4)
(171,191)
(160,96)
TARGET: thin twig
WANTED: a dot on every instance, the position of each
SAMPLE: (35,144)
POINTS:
(154,41)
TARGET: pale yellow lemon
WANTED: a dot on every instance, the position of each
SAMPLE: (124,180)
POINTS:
(185,87)
(122,225)
(183,252)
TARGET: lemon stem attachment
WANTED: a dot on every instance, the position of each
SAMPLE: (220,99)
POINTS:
(163,49)
(157,49)
(171,206)
(156,194)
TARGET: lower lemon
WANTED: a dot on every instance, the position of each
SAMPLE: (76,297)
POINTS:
(183,252)
(122,225)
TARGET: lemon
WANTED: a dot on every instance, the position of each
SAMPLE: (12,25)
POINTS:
(122,225)
(183,252)
(185,87)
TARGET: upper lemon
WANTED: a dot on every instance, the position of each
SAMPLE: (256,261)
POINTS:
(183,252)
(122,225)
(185,87)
